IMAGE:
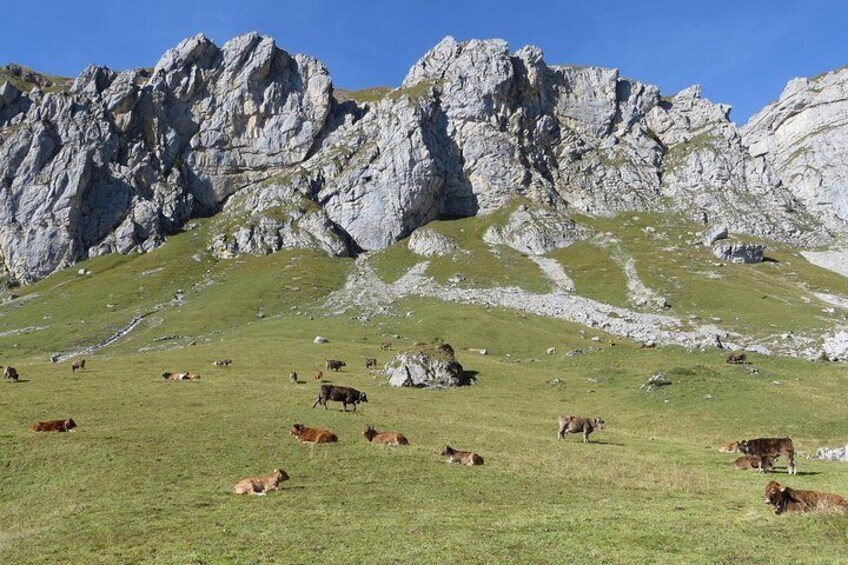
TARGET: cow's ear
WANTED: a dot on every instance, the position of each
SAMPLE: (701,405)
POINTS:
(782,489)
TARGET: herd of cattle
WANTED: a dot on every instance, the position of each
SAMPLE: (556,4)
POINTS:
(758,454)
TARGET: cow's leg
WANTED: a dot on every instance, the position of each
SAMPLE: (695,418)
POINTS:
(344,405)
(791,467)
(562,431)
(317,401)
(586,435)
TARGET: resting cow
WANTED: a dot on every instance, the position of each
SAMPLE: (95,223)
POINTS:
(54,426)
(222,363)
(753,462)
(785,499)
(575,424)
(461,457)
(261,485)
(388,438)
(167,375)
(312,435)
(343,394)
(737,359)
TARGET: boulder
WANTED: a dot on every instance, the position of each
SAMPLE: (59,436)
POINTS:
(738,252)
(833,453)
(535,231)
(835,347)
(714,234)
(429,243)
(426,366)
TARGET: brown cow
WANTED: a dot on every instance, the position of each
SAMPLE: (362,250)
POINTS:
(737,359)
(770,447)
(575,424)
(312,435)
(54,426)
(752,462)
(11,374)
(78,366)
(334,365)
(261,485)
(370,363)
(785,499)
(386,346)
(222,363)
(317,374)
(388,438)
(461,457)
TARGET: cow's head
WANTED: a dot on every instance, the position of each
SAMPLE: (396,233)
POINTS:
(69,424)
(776,496)
(598,423)
(296,430)
(279,476)
(743,447)
(446,451)
(363,397)
(369,432)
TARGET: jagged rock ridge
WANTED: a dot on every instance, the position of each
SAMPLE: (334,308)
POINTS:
(253,134)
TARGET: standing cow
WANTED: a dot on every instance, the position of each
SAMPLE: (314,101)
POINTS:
(576,424)
(343,394)
(78,366)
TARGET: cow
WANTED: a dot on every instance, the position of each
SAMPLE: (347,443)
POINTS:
(54,426)
(261,485)
(388,438)
(770,447)
(737,359)
(343,394)
(78,366)
(386,346)
(785,499)
(731,447)
(11,374)
(222,363)
(752,462)
(461,457)
(333,365)
(169,376)
(317,374)
(574,424)
(312,435)
(370,363)
(293,377)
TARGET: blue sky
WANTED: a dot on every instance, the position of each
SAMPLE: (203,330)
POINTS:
(741,52)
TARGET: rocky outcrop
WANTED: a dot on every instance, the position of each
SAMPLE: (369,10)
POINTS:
(802,136)
(836,346)
(427,366)
(739,252)
(120,160)
(428,243)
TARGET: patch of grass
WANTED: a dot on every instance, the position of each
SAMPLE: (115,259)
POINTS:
(594,272)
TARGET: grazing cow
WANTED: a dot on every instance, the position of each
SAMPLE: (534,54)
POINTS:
(752,462)
(574,424)
(343,394)
(312,435)
(333,365)
(222,363)
(370,363)
(785,499)
(317,374)
(261,485)
(11,374)
(78,366)
(388,438)
(737,359)
(293,377)
(54,426)
(461,457)
(386,346)
(770,447)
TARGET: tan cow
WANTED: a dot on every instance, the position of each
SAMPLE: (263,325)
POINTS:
(387,438)
(261,485)
(312,435)
(461,457)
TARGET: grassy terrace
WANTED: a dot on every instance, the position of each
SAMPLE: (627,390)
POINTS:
(147,475)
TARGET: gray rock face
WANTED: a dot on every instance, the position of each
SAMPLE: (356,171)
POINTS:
(802,136)
(714,234)
(836,346)
(428,243)
(426,366)
(535,231)
(737,252)
(832,453)
(121,160)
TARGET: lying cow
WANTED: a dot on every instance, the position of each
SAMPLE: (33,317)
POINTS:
(752,462)
(343,394)
(312,435)
(11,374)
(388,438)
(222,363)
(54,426)
(78,366)
(764,448)
(461,457)
(333,365)
(785,499)
(370,363)
(168,376)
(575,424)
(261,485)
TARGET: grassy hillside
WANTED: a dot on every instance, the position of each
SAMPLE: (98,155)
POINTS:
(147,475)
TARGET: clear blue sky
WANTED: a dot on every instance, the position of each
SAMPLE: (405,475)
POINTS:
(742,52)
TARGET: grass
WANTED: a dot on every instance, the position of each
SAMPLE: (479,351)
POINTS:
(146,477)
